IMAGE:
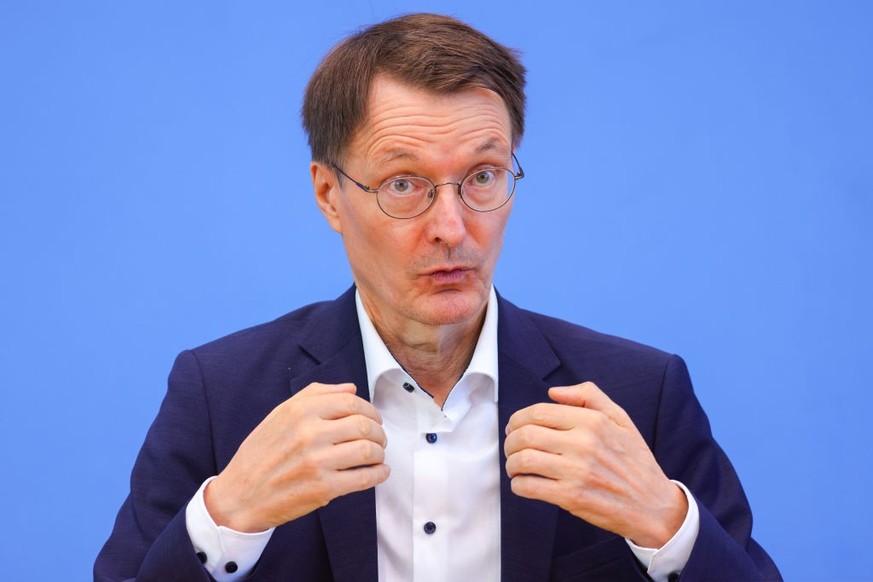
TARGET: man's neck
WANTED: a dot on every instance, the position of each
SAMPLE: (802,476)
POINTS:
(435,356)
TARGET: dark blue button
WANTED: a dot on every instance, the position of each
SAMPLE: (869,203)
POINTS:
(431,437)
(202,557)
(231,567)
(429,527)
(408,387)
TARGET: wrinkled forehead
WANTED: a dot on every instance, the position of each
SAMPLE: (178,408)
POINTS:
(400,116)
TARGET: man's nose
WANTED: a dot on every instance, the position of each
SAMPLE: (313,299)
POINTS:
(446,216)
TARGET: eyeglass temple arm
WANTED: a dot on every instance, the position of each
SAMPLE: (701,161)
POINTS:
(520,173)
(355,182)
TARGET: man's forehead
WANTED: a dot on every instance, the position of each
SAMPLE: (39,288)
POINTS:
(498,148)
(398,114)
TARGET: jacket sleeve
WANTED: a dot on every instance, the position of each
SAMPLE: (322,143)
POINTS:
(149,541)
(687,452)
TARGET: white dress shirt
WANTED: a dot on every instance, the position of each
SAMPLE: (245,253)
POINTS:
(443,496)
(438,515)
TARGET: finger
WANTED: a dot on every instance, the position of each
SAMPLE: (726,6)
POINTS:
(531,436)
(356,427)
(556,416)
(534,462)
(359,478)
(323,397)
(351,454)
(536,487)
(589,395)
(310,398)
(333,406)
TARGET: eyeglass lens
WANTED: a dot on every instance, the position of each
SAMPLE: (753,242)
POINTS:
(409,196)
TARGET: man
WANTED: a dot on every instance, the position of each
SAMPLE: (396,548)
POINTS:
(420,426)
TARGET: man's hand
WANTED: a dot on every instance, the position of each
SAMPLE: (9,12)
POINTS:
(321,443)
(585,455)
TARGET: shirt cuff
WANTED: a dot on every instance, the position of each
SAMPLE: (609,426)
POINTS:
(671,558)
(228,555)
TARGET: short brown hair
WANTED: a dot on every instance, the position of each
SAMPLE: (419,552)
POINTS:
(429,51)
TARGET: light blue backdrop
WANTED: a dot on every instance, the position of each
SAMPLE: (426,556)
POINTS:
(699,178)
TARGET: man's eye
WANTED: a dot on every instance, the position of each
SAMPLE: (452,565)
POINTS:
(483,178)
(401,186)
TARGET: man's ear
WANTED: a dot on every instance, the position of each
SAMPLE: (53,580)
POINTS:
(327,190)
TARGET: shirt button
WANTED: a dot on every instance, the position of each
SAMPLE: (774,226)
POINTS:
(202,557)
(230,567)
(408,387)
(674,577)
(429,527)
(431,437)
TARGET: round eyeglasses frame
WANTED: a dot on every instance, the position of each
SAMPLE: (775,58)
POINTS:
(516,176)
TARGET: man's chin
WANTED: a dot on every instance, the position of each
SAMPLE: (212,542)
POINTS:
(452,307)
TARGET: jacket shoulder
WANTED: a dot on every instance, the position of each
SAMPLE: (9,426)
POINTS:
(572,342)
(284,330)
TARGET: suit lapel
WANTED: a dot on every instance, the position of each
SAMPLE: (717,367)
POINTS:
(527,526)
(348,522)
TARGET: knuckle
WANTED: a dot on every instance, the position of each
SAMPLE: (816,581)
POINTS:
(362,426)
(601,424)
(365,451)
(583,440)
(526,437)
(540,413)
(306,436)
(350,404)
(363,479)
(524,460)
(599,421)
(584,471)
(576,497)
(309,464)
(380,437)
(588,386)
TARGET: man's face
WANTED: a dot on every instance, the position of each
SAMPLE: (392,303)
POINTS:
(435,269)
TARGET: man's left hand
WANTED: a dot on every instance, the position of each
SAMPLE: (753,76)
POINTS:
(584,454)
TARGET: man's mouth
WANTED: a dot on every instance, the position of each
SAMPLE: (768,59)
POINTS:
(448,275)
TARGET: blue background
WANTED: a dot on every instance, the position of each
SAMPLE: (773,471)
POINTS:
(699,178)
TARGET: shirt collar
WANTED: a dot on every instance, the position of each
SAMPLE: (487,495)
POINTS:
(379,360)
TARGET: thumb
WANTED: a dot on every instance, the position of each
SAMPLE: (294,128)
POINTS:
(317,388)
(589,395)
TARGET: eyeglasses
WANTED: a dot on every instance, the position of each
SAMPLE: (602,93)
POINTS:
(405,197)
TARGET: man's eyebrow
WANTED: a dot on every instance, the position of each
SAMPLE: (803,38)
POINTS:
(492,146)
(394,155)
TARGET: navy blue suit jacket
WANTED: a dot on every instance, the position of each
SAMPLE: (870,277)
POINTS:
(218,394)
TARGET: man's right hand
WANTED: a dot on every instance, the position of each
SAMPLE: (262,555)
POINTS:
(321,443)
